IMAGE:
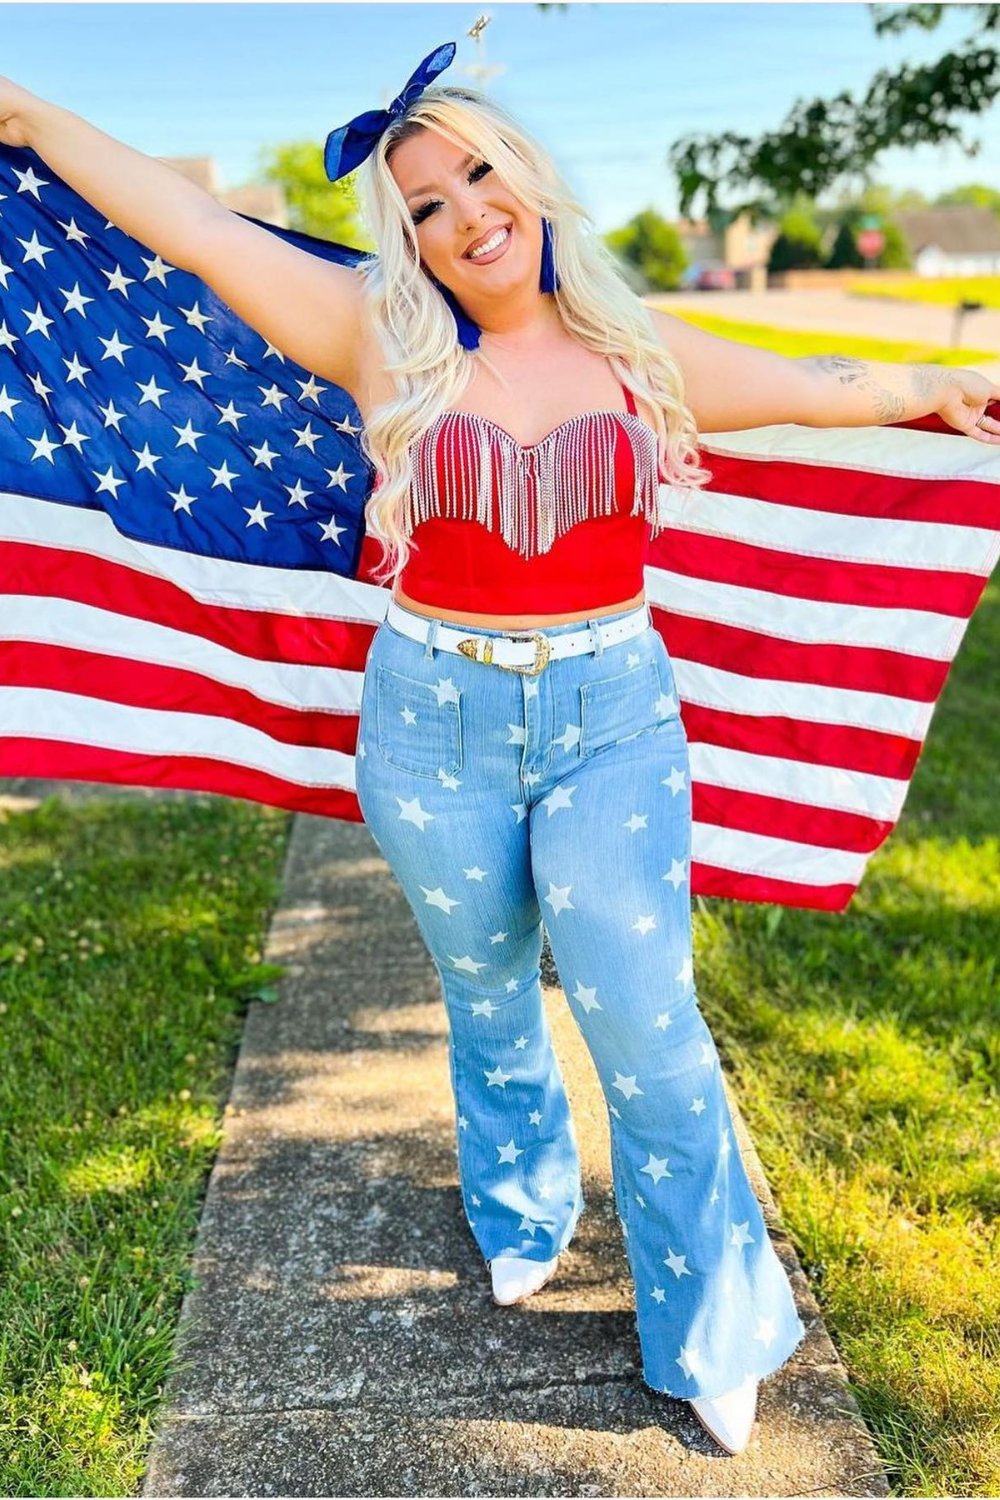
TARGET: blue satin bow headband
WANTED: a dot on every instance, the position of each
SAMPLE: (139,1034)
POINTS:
(350,144)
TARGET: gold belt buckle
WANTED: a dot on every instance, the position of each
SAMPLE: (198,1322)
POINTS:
(542,651)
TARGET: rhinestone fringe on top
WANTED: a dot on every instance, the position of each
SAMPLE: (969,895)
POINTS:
(543,489)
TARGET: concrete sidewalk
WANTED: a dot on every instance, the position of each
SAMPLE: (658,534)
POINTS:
(341,1338)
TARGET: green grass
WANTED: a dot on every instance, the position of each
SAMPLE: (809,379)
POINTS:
(798,343)
(130,937)
(947,290)
(867,1051)
(866,1055)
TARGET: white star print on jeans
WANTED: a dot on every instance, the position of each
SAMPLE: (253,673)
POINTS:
(502,802)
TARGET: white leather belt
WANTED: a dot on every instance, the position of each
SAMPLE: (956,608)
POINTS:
(527,651)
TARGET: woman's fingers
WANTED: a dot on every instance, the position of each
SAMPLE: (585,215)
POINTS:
(986,429)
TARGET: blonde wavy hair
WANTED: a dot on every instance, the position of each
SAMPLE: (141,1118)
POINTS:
(416,328)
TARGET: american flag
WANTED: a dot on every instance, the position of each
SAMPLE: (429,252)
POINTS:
(185,594)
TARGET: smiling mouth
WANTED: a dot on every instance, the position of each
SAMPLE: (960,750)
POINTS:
(509,228)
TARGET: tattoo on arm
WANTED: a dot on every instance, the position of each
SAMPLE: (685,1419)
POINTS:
(889,407)
(927,380)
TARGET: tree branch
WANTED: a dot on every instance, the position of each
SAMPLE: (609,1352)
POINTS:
(823,141)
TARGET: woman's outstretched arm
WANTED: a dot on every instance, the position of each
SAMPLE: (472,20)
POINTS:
(731,386)
(149,200)
(310,308)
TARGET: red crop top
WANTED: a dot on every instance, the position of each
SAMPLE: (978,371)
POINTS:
(560,525)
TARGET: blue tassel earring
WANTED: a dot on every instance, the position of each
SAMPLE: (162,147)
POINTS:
(468,332)
(548,281)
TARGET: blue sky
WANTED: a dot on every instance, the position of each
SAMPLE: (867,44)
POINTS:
(607,87)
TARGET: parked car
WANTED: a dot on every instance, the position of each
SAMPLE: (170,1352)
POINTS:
(715,278)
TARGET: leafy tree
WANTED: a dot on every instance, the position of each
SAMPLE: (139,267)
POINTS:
(317,206)
(652,245)
(976,193)
(885,201)
(895,254)
(908,199)
(844,251)
(798,244)
(825,141)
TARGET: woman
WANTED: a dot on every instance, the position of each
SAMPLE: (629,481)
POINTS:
(521,756)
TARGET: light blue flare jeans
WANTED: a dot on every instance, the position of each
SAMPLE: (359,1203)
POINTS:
(501,801)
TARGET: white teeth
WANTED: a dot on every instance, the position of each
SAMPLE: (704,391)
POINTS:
(491,244)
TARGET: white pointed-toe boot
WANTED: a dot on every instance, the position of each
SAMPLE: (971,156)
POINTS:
(729,1417)
(514,1277)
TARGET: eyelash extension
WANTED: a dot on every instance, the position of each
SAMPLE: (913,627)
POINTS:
(474,176)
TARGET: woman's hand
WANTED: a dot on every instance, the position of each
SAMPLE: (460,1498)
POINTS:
(964,401)
(13,102)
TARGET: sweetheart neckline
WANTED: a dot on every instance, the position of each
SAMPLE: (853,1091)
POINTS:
(620,412)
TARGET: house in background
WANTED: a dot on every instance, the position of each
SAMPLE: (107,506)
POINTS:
(266,202)
(961,239)
(739,248)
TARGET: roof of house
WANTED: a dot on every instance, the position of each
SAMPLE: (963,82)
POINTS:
(958,228)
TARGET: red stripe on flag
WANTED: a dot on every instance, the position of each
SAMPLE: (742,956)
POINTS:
(873,751)
(311,640)
(710,880)
(736,649)
(778,817)
(847,491)
(832,580)
(139,684)
(370,559)
(63,760)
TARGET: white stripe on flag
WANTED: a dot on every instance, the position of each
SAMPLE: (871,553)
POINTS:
(42,714)
(778,859)
(83,627)
(732,692)
(899,452)
(839,538)
(911,631)
(209,580)
(798,781)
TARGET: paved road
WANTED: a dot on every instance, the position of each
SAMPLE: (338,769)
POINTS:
(834,311)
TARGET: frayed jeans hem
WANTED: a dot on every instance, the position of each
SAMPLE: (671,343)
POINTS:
(776,1363)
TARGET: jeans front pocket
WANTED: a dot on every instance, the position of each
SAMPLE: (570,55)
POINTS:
(620,707)
(418,730)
